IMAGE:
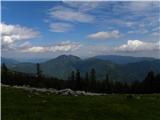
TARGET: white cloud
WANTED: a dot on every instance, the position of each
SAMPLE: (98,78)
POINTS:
(104,35)
(35,49)
(84,6)
(13,33)
(64,46)
(25,45)
(156,33)
(68,14)
(129,24)
(61,27)
(137,45)
(138,31)
(138,6)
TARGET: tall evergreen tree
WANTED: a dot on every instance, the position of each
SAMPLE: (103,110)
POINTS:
(72,76)
(4,73)
(39,76)
(93,74)
(93,79)
(78,78)
(157,83)
(86,81)
(148,82)
(73,80)
(86,77)
(39,72)
(107,84)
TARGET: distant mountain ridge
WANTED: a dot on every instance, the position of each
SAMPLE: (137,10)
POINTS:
(63,65)
(123,59)
(9,61)
(118,59)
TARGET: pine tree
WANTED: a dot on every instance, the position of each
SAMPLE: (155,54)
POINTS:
(4,73)
(148,82)
(72,76)
(86,82)
(107,84)
(73,80)
(93,79)
(157,83)
(38,75)
(78,82)
(39,72)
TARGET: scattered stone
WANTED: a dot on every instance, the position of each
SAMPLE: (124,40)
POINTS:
(63,92)
(66,92)
(80,92)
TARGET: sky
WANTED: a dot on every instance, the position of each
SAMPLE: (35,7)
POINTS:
(46,29)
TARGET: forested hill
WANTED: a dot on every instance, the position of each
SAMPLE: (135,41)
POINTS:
(62,66)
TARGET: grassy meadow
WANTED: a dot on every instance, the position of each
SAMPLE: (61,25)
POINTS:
(18,104)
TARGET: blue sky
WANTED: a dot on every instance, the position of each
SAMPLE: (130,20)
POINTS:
(48,29)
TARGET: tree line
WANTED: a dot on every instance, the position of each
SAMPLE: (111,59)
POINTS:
(150,84)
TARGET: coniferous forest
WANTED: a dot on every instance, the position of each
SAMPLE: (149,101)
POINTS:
(89,83)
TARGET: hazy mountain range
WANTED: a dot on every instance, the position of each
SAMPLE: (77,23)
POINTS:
(119,68)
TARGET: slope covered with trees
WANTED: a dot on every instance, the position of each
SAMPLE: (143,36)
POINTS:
(150,84)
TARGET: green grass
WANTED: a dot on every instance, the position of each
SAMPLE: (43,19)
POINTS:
(23,105)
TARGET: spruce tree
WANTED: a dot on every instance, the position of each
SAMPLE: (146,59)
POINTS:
(78,82)
(4,73)
(107,84)
(148,82)
(39,72)
(72,80)
(93,79)
(38,75)
(86,81)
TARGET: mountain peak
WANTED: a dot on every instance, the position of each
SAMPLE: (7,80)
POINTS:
(68,57)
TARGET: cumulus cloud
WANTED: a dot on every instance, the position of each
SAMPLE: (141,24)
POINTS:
(138,45)
(64,46)
(13,33)
(61,27)
(69,14)
(104,35)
